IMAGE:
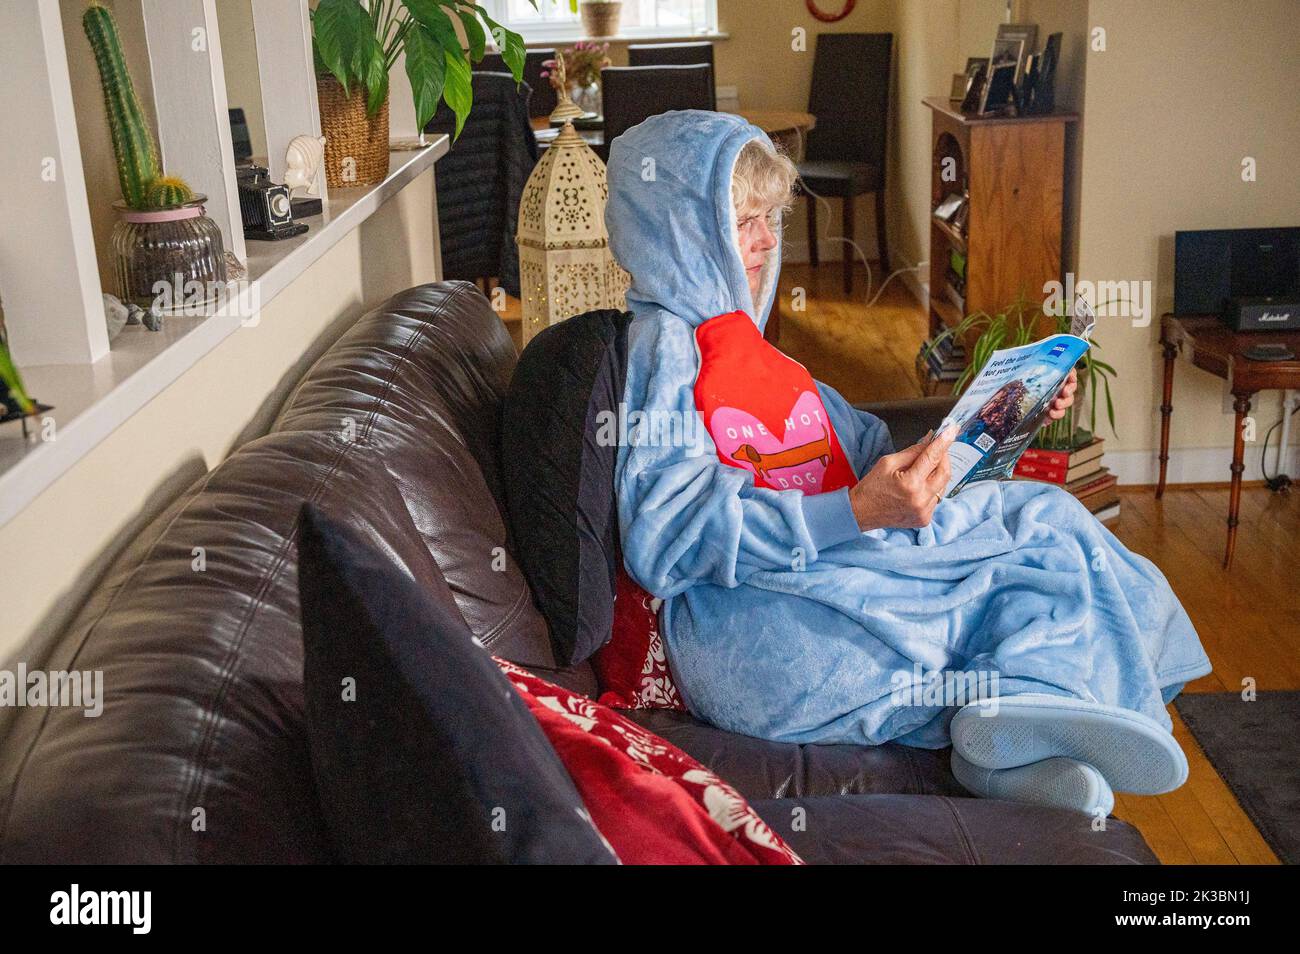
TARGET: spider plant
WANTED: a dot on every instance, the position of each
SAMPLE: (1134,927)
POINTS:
(1021,323)
(12,393)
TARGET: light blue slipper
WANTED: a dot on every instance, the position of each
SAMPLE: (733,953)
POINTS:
(1133,753)
(1059,782)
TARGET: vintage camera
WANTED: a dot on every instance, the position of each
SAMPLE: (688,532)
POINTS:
(265,206)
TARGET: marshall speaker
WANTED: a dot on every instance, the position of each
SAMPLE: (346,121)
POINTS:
(1248,277)
(1264,314)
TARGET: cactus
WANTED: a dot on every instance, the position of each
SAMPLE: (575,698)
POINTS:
(167,192)
(137,156)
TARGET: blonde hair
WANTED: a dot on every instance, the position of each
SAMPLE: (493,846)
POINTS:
(763,177)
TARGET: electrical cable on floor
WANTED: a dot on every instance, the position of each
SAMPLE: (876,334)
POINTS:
(1279,482)
(911,268)
(810,194)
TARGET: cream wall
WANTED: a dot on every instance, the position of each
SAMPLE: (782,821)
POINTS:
(85,518)
(930,50)
(1181,94)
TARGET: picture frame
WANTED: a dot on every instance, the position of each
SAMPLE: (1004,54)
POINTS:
(999,89)
(1044,94)
(1027,87)
(1007,51)
(976,70)
(1014,42)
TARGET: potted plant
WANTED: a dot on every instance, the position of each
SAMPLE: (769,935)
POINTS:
(15,403)
(163,233)
(581,64)
(1020,324)
(600,17)
(354,47)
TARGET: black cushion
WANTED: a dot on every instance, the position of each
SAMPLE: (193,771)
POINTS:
(559,478)
(421,749)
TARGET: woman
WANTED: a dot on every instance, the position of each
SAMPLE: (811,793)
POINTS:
(814,584)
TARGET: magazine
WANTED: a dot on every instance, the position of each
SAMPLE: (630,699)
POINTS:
(1003,407)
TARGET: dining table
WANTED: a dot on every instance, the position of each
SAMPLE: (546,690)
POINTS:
(788,129)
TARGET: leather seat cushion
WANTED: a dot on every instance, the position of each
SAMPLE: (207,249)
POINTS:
(936,829)
(760,769)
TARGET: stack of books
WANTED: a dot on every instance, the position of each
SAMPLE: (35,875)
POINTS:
(1079,471)
(940,369)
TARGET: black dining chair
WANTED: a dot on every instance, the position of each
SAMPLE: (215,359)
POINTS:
(674,54)
(844,155)
(543,101)
(481,182)
(630,94)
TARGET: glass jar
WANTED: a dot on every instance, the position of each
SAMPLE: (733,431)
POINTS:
(178,247)
(587,98)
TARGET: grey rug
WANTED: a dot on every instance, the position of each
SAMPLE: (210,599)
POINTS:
(1255,747)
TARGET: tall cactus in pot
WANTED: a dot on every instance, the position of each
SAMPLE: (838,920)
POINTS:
(163,241)
(138,168)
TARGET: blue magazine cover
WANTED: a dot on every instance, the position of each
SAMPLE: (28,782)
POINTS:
(1004,406)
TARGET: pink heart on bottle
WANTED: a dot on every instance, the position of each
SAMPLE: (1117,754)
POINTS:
(796,459)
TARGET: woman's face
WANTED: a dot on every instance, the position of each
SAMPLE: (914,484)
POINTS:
(757,235)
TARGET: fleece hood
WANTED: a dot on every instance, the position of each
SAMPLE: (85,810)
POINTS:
(670,220)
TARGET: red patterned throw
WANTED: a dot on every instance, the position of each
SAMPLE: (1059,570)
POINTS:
(653,803)
(632,667)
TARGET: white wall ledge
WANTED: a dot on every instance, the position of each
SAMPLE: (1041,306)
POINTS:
(91,400)
(538,38)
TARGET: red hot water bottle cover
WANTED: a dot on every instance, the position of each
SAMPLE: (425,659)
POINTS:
(764,412)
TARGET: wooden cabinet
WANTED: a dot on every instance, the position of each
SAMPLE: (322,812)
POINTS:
(1009,244)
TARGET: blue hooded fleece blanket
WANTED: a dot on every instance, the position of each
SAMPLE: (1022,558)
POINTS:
(781,619)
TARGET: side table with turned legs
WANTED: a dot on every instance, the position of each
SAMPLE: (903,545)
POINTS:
(1216,348)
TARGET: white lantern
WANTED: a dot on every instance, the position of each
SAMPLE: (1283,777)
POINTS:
(565,265)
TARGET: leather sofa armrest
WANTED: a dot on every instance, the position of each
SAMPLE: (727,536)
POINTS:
(908,420)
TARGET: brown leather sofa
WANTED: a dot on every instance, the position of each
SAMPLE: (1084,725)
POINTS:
(200,754)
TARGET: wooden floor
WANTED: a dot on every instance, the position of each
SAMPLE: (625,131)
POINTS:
(1248,618)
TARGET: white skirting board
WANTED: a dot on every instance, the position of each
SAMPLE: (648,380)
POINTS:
(918,286)
(1195,465)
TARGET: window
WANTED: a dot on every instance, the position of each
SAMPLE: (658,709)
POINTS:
(553,20)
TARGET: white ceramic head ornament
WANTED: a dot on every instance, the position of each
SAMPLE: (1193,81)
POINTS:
(301,160)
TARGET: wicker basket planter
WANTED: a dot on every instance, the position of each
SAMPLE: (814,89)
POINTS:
(356,145)
(600,19)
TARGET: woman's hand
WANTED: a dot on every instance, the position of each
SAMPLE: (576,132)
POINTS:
(903,489)
(1065,398)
